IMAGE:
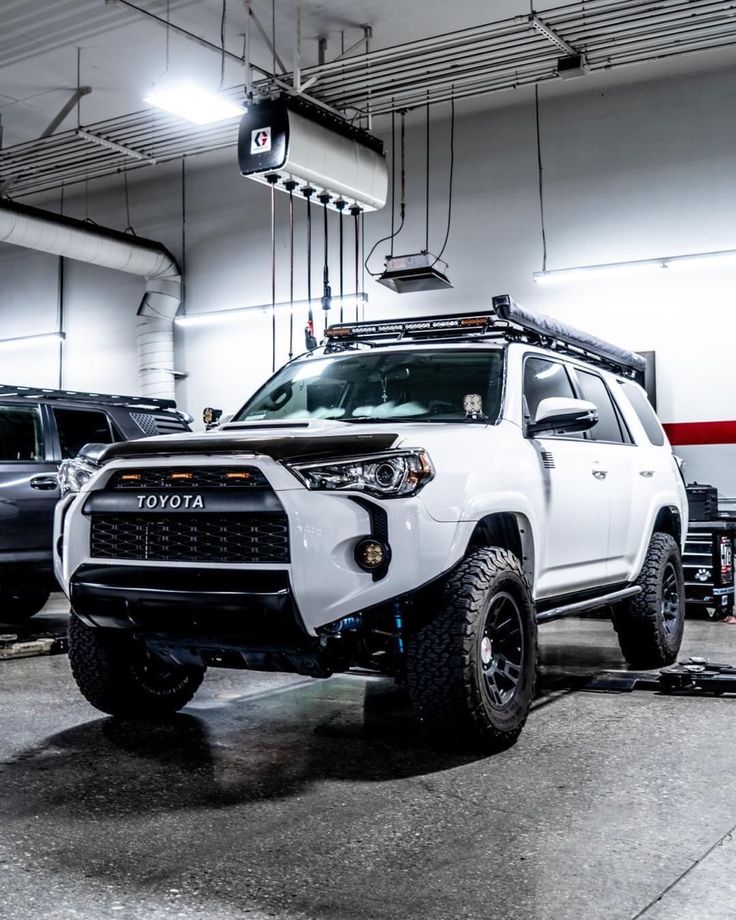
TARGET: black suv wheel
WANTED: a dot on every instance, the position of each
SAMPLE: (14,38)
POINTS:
(120,676)
(650,625)
(472,667)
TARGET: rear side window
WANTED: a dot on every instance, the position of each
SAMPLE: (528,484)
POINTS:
(78,427)
(608,426)
(647,415)
(21,433)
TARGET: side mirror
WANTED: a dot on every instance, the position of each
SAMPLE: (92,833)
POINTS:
(92,452)
(562,415)
(211,417)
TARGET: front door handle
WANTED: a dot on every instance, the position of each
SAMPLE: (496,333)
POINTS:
(647,474)
(45,483)
(599,474)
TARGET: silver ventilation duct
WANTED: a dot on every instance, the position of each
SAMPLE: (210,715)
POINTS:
(43,231)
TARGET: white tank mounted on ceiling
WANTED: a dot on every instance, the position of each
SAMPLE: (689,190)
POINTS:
(290,140)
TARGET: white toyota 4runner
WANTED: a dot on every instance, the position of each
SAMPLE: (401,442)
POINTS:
(413,497)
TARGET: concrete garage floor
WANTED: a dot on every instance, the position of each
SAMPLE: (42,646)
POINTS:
(285,798)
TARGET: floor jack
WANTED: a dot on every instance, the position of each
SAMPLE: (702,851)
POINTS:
(13,646)
(696,676)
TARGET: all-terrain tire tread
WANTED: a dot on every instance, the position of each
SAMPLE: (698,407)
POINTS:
(440,660)
(101,667)
(637,621)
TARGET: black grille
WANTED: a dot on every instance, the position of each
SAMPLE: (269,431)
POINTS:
(188,478)
(191,537)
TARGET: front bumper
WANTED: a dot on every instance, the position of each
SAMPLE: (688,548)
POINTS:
(323,581)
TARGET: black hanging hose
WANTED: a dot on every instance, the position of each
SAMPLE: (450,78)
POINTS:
(326,289)
(402,206)
(340,205)
(290,186)
(309,339)
(273,180)
(540,174)
(356,212)
(426,187)
(393,178)
(128,225)
(452,175)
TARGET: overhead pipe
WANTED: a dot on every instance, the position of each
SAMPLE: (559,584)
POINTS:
(42,231)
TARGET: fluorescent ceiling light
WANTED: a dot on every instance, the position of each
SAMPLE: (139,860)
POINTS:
(687,260)
(189,101)
(21,341)
(348,302)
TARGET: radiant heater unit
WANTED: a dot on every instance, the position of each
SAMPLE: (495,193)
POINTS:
(414,273)
(290,140)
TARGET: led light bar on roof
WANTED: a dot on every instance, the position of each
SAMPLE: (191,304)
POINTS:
(507,320)
(461,322)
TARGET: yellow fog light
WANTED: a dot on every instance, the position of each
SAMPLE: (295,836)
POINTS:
(372,555)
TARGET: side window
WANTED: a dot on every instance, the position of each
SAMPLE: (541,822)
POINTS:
(646,414)
(542,379)
(21,433)
(608,428)
(78,427)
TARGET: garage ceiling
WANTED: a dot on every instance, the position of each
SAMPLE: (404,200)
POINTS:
(431,50)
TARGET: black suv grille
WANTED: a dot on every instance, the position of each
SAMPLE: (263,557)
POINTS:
(191,537)
(186,478)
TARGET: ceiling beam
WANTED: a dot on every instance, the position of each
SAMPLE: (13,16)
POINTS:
(557,40)
(66,109)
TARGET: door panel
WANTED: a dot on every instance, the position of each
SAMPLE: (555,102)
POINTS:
(27,490)
(615,455)
(576,493)
(577,509)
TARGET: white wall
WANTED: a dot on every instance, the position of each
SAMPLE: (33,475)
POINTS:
(635,172)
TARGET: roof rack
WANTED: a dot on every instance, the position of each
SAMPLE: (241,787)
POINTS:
(106,399)
(506,320)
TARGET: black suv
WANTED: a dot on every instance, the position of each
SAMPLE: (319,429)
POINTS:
(38,429)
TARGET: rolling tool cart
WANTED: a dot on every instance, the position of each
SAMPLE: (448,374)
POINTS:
(708,566)
(708,557)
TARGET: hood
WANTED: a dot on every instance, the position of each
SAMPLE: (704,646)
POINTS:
(280,440)
(316,439)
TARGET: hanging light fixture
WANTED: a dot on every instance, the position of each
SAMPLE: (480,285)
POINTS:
(194,103)
(636,266)
(188,99)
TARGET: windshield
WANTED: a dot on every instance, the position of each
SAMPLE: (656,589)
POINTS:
(422,386)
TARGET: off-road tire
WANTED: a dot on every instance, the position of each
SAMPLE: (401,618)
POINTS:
(117,674)
(449,681)
(19,606)
(650,626)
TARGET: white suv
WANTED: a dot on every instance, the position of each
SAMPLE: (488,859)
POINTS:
(413,497)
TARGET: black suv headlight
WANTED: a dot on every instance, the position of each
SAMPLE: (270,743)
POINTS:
(392,474)
(73,474)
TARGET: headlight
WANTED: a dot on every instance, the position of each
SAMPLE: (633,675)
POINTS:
(390,475)
(74,473)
